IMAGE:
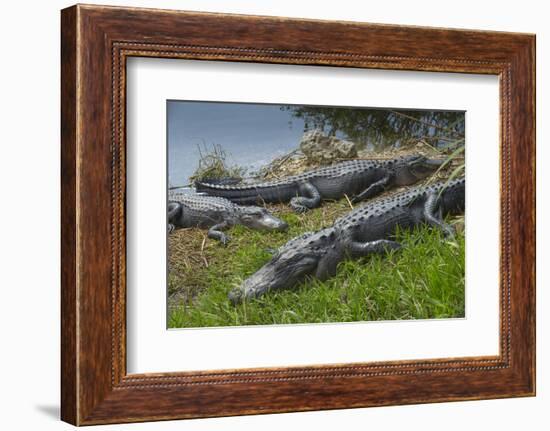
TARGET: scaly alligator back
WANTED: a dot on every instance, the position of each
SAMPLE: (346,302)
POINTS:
(249,194)
(363,231)
(360,178)
(378,219)
(203,211)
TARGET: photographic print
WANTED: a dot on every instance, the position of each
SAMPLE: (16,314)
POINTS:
(306,244)
(293,214)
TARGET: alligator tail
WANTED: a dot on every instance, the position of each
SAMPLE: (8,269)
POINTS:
(223,181)
(247,194)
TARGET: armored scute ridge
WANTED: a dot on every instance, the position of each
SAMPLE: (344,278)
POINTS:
(367,229)
(217,214)
(359,179)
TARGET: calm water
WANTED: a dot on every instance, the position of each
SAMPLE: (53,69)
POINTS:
(252,135)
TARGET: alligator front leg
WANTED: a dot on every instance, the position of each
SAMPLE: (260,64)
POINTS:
(432,215)
(358,248)
(312,198)
(215,232)
(373,190)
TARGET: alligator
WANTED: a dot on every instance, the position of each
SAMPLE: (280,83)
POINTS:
(367,229)
(359,179)
(188,210)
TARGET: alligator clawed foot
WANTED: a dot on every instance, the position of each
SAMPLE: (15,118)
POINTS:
(300,209)
(235,296)
(448,232)
(297,204)
(392,246)
(224,239)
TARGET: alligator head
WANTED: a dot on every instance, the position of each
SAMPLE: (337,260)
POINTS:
(312,254)
(260,218)
(414,168)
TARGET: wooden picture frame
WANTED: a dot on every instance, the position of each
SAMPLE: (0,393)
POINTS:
(95,43)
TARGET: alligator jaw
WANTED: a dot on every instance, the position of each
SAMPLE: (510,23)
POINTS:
(434,162)
(246,291)
(426,168)
(260,282)
(413,170)
(261,219)
(283,271)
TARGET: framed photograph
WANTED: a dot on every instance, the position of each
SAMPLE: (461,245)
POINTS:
(263,214)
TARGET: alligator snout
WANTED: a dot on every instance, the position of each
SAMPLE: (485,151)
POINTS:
(260,218)
(433,162)
(254,286)
(273,223)
(415,168)
(425,167)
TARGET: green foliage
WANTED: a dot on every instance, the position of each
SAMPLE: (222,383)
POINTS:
(383,128)
(425,279)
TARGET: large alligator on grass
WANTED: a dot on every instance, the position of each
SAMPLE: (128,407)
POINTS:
(359,179)
(364,230)
(217,214)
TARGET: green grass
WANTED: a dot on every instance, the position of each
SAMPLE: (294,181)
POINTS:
(425,279)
